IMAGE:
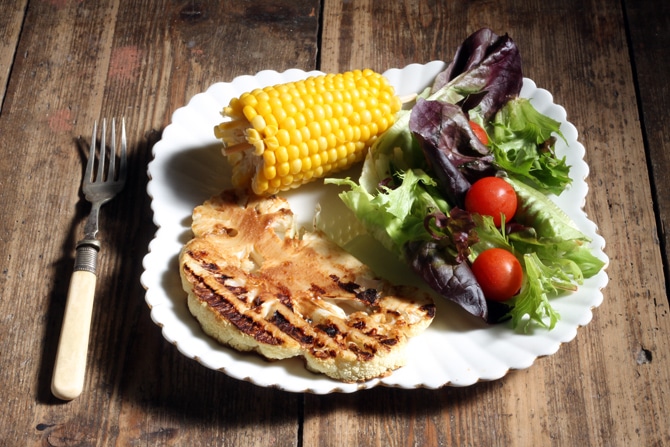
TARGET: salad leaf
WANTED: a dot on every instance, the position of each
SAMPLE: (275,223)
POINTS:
(523,145)
(533,300)
(443,127)
(486,72)
(393,151)
(469,54)
(452,280)
(536,210)
(395,216)
(582,255)
(448,144)
(488,236)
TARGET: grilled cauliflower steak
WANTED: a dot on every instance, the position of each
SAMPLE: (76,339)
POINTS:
(255,284)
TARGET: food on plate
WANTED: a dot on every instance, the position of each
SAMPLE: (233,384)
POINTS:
(282,136)
(471,126)
(492,196)
(256,283)
(498,273)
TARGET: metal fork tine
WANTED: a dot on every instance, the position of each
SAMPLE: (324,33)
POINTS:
(123,170)
(103,151)
(91,154)
(112,155)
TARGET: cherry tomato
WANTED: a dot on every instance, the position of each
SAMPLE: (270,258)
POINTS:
(492,196)
(499,274)
(479,132)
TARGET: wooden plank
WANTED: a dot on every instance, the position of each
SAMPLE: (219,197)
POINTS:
(649,23)
(11,20)
(605,387)
(105,59)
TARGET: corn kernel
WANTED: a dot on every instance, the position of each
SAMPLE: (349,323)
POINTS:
(263,108)
(285,97)
(287,180)
(313,145)
(259,185)
(283,137)
(248,99)
(270,172)
(291,109)
(299,104)
(288,123)
(292,152)
(365,132)
(269,158)
(322,143)
(357,133)
(283,169)
(326,127)
(334,153)
(258,122)
(342,163)
(314,129)
(328,111)
(296,136)
(332,140)
(366,117)
(272,143)
(249,113)
(281,155)
(303,149)
(319,114)
(295,166)
(300,120)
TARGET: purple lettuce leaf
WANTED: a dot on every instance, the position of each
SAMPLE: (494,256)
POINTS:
(469,54)
(454,153)
(451,280)
(486,70)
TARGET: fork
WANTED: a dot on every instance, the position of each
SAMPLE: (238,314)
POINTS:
(99,186)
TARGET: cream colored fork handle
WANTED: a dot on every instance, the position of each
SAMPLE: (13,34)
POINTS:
(70,367)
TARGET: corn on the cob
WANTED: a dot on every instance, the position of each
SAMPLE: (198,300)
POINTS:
(283,136)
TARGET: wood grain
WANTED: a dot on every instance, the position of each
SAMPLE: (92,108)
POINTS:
(584,64)
(11,20)
(144,61)
(65,63)
(650,40)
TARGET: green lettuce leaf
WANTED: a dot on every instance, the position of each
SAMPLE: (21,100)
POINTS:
(533,300)
(394,216)
(522,142)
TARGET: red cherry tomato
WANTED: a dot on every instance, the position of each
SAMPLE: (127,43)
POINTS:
(479,132)
(499,274)
(492,196)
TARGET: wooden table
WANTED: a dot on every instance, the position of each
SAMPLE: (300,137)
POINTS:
(65,63)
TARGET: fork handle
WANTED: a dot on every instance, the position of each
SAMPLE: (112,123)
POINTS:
(70,366)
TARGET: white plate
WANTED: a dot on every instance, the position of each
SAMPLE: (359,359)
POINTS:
(455,350)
